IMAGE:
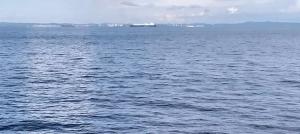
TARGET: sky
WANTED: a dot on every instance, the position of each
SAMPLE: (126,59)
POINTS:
(142,11)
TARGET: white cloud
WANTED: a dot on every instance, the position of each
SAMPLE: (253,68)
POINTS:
(232,10)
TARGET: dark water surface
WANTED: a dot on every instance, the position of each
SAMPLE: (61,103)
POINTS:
(149,80)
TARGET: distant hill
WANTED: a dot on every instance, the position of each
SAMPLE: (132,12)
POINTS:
(258,25)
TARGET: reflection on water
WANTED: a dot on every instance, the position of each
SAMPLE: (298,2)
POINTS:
(148,80)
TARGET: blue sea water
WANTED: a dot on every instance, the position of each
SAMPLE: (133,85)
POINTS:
(149,80)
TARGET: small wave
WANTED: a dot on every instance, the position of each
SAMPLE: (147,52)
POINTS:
(270,127)
(44,81)
(77,59)
(10,85)
(95,68)
(290,81)
(174,105)
(190,90)
(290,117)
(18,78)
(92,43)
(212,133)
(119,87)
(88,77)
(34,125)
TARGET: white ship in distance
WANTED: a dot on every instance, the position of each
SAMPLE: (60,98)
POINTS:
(144,25)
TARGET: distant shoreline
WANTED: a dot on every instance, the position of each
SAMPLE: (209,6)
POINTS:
(245,25)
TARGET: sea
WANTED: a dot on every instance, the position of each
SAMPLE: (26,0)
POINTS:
(159,80)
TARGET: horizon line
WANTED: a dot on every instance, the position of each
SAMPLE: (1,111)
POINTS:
(242,22)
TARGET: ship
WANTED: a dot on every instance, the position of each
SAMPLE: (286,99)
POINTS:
(144,25)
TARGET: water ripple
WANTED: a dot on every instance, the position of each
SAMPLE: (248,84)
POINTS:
(145,80)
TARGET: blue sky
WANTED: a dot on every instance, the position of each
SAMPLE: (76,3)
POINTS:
(158,11)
